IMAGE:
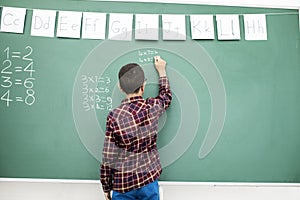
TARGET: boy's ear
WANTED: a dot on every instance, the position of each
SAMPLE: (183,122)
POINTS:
(119,86)
(143,87)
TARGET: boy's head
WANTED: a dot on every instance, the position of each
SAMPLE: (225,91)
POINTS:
(131,78)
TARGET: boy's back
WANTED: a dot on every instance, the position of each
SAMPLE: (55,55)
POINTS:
(130,155)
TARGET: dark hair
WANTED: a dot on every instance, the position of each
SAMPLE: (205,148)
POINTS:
(131,78)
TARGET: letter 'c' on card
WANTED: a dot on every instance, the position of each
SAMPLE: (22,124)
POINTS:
(12,20)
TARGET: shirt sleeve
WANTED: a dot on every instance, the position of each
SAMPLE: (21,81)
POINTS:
(165,94)
(109,155)
(162,101)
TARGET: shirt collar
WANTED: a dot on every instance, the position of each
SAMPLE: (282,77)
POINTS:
(132,99)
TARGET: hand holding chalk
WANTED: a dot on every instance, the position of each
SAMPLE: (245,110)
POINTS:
(160,66)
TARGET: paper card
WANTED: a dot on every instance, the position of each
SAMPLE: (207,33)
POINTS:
(69,24)
(228,27)
(255,27)
(43,23)
(120,27)
(174,27)
(93,25)
(146,27)
(202,26)
(12,20)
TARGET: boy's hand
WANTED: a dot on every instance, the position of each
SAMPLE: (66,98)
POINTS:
(107,196)
(160,66)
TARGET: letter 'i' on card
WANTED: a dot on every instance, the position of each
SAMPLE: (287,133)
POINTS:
(12,20)
(202,26)
(228,27)
(120,27)
(146,27)
(43,23)
(255,27)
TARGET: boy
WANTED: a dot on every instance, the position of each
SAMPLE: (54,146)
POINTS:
(130,162)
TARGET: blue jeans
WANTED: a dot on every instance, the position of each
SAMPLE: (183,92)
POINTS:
(148,192)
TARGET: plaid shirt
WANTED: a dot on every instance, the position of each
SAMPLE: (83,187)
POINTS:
(130,158)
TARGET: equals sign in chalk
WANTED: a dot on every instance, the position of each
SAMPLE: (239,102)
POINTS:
(18,69)
(19,99)
(18,82)
(16,54)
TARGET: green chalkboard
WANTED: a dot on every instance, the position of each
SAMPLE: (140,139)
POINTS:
(234,117)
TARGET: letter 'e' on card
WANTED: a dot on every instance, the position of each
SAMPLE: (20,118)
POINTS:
(69,24)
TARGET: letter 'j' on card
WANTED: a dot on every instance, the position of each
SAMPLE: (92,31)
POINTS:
(173,27)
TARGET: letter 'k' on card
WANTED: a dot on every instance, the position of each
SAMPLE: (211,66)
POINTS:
(202,26)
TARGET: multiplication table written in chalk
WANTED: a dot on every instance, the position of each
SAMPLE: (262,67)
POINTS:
(17,76)
(96,93)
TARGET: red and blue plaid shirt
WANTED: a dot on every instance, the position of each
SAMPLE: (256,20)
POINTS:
(130,157)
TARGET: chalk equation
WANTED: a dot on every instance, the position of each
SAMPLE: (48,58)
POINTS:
(17,76)
(147,55)
(96,93)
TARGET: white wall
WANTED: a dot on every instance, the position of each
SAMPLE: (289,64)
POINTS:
(293,4)
(40,189)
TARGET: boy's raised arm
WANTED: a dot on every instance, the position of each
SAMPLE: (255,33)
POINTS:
(160,66)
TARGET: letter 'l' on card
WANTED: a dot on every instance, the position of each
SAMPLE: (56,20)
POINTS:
(228,27)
